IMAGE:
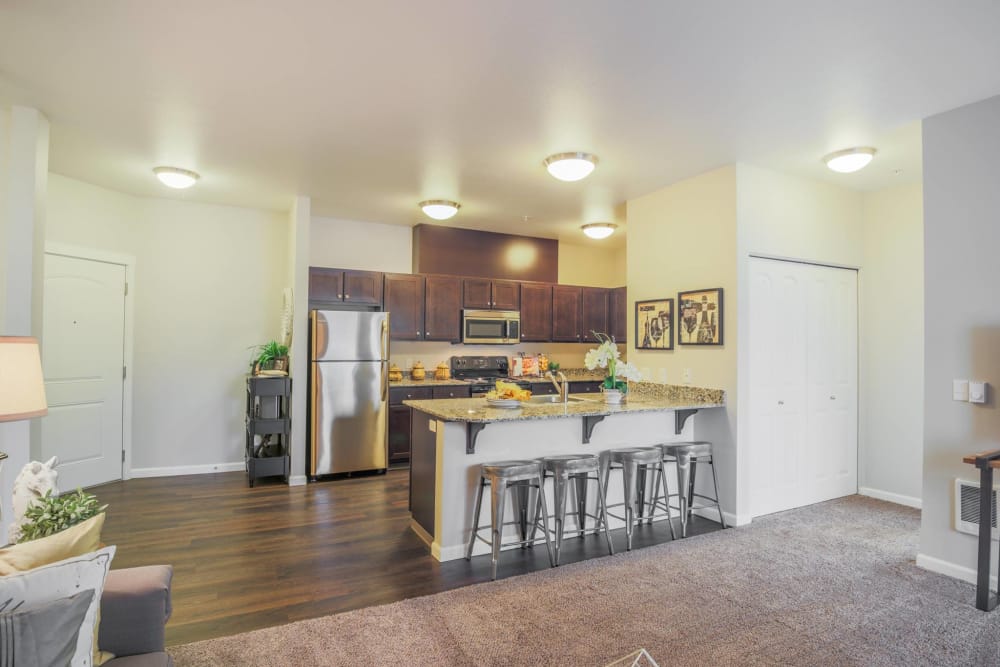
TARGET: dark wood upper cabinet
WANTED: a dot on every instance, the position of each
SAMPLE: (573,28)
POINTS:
(506,295)
(443,308)
(332,286)
(566,313)
(618,314)
(477,293)
(404,300)
(363,288)
(326,284)
(593,312)
(491,294)
(536,312)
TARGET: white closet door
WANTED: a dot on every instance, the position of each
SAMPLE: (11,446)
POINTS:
(803,384)
(777,385)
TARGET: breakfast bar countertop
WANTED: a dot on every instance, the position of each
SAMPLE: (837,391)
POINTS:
(642,397)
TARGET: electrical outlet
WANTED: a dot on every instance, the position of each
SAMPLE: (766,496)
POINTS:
(977,392)
(687,376)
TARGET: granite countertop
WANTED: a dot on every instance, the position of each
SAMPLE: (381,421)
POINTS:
(642,397)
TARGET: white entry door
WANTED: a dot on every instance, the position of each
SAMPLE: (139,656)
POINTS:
(803,400)
(83,358)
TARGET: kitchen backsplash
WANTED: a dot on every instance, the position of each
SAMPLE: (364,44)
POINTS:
(404,353)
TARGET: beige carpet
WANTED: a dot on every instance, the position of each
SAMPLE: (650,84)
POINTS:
(831,584)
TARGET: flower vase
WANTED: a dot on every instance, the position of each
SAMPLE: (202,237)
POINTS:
(612,396)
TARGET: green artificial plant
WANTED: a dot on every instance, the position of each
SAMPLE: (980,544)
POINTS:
(51,514)
(268,353)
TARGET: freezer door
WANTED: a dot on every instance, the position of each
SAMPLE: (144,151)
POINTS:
(349,416)
(350,336)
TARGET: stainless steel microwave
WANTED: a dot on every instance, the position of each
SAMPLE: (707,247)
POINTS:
(496,327)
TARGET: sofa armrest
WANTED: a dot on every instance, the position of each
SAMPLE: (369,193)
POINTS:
(135,607)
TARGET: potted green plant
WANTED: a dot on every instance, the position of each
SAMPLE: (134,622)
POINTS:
(270,356)
(51,514)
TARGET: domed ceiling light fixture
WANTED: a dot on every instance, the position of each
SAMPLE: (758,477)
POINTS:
(175,177)
(599,230)
(439,209)
(850,159)
(571,166)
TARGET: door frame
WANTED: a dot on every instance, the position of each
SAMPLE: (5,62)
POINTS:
(746,513)
(127,261)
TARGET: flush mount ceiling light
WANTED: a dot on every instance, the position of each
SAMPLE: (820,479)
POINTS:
(174,177)
(439,209)
(571,166)
(599,230)
(850,159)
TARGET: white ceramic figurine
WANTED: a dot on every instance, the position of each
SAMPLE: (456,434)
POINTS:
(34,480)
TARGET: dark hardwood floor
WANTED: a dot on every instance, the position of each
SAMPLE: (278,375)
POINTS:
(250,558)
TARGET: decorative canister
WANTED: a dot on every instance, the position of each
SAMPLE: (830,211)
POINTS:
(612,396)
(418,372)
(442,372)
(543,364)
(395,373)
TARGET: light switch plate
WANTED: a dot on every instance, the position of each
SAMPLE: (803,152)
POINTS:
(977,392)
(960,390)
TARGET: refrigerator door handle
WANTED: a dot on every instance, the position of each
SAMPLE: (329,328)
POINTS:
(383,380)
(385,338)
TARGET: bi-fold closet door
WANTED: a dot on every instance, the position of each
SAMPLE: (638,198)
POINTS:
(803,389)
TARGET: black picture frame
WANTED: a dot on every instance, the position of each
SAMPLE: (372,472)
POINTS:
(700,317)
(654,324)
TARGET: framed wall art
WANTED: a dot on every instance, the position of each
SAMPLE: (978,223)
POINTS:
(654,324)
(699,317)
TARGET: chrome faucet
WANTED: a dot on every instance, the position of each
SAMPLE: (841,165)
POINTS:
(563,388)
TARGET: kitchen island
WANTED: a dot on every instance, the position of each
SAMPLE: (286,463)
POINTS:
(450,438)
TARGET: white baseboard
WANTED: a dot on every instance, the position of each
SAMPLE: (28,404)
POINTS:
(297,480)
(888,496)
(204,469)
(951,569)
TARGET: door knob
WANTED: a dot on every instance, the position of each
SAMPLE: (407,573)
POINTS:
(781,402)
(833,398)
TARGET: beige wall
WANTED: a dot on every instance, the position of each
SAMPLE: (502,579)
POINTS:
(680,238)
(892,345)
(591,265)
(208,286)
(351,244)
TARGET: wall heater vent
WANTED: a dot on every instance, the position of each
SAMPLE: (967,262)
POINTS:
(967,508)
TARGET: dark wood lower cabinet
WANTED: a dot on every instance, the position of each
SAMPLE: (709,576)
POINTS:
(399,434)
(585,387)
(401,416)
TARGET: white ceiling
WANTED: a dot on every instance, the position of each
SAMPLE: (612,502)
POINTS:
(370,106)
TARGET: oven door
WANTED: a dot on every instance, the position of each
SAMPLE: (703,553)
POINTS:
(487,326)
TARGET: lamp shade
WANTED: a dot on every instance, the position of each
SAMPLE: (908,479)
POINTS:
(22,387)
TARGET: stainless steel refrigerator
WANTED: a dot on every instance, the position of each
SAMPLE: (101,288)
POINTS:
(349,379)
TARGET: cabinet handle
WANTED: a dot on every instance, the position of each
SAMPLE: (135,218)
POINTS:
(833,398)
(340,296)
(347,296)
(781,402)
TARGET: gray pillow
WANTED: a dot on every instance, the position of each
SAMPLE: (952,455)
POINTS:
(44,634)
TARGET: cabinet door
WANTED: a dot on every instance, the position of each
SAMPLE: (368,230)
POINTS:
(594,312)
(506,295)
(404,299)
(399,434)
(618,314)
(443,308)
(566,314)
(363,288)
(326,284)
(543,389)
(584,387)
(536,312)
(478,293)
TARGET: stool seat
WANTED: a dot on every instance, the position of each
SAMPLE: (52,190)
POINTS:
(511,469)
(699,448)
(638,455)
(568,464)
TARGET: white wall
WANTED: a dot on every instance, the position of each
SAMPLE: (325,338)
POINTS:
(680,238)
(892,345)
(962,320)
(352,244)
(208,286)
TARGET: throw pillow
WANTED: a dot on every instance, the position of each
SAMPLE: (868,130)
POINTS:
(83,538)
(60,580)
(42,635)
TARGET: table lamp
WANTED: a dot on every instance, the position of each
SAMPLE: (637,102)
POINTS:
(22,386)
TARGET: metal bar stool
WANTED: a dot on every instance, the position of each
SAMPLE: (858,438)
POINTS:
(581,469)
(633,461)
(687,456)
(517,476)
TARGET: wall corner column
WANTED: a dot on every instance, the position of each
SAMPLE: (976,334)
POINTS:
(299,222)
